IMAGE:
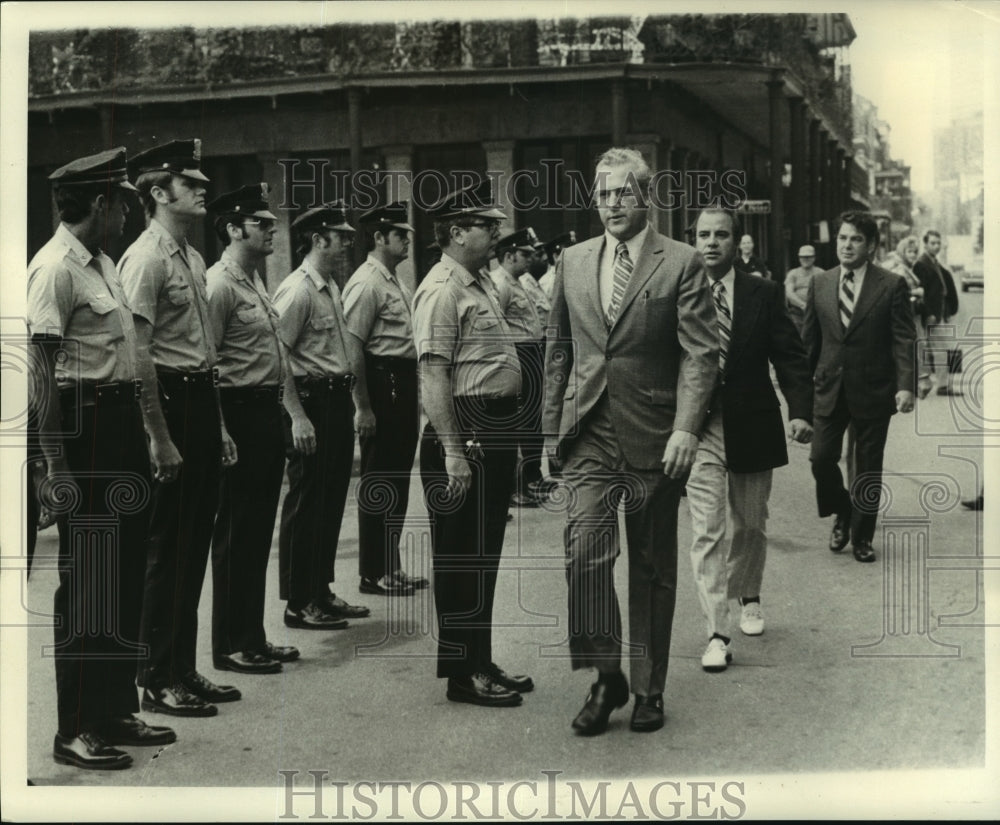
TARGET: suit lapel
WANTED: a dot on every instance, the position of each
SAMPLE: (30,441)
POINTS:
(589,277)
(746,308)
(872,287)
(650,257)
(829,298)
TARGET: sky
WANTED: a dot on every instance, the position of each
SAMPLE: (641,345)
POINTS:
(921,63)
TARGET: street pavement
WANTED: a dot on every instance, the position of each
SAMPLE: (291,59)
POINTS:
(862,669)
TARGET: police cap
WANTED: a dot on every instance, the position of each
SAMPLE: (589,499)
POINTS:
(473,200)
(250,201)
(110,167)
(327,216)
(179,157)
(391,216)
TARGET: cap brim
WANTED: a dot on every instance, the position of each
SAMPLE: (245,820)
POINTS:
(404,226)
(263,213)
(193,174)
(341,227)
(124,184)
(492,213)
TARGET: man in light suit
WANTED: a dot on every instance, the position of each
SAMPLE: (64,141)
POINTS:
(743,440)
(629,375)
(860,335)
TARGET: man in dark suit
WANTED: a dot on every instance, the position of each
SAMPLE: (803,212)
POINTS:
(939,304)
(629,376)
(743,440)
(860,335)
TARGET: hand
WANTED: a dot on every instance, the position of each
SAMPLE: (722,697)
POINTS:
(364,422)
(555,462)
(57,484)
(229,456)
(679,453)
(904,401)
(303,435)
(799,430)
(923,387)
(166,460)
(459,474)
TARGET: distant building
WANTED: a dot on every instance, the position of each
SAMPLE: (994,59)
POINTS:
(958,176)
(702,95)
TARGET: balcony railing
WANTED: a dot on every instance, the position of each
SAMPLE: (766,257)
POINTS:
(110,59)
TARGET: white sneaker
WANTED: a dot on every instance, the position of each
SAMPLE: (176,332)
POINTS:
(752,619)
(716,656)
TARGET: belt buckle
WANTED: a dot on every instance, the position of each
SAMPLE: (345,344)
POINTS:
(215,376)
(138,388)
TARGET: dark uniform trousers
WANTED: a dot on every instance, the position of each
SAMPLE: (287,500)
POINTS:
(467,534)
(386,462)
(861,504)
(317,492)
(180,531)
(531,356)
(102,557)
(248,505)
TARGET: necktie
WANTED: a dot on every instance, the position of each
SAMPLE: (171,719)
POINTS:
(725,319)
(622,273)
(846,301)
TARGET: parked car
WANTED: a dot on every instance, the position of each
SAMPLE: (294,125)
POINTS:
(970,278)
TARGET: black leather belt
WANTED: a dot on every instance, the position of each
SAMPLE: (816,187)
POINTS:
(186,381)
(243,395)
(328,385)
(390,362)
(90,393)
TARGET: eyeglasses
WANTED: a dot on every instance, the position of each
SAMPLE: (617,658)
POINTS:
(265,224)
(490,226)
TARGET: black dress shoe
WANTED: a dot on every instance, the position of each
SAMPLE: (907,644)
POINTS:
(416,582)
(606,694)
(480,689)
(281,653)
(209,691)
(523,500)
(339,609)
(864,551)
(247,662)
(128,730)
(522,684)
(88,751)
(384,587)
(647,715)
(175,700)
(312,617)
(973,503)
(840,533)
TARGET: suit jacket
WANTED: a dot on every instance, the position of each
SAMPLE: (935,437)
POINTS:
(873,358)
(761,332)
(940,295)
(658,362)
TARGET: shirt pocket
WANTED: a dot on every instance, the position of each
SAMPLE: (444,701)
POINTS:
(250,314)
(394,309)
(485,322)
(107,319)
(322,323)
(179,295)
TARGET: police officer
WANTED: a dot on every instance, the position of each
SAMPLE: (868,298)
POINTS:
(164,281)
(319,421)
(251,373)
(553,250)
(469,381)
(377,309)
(515,254)
(85,397)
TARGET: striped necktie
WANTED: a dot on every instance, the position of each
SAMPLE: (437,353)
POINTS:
(846,301)
(622,273)
(725,319)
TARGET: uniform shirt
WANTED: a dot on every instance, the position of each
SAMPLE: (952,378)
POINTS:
(517,307)
(244,327)
(606,276)
(532,288)
(547,281)
(377,309)
(311,324)
(78,297)
(165,284)
(456,315)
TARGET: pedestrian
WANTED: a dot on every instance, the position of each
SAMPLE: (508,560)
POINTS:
(469,381)
(940,303)
(252,369)
(797,284)
(749,263)
(628,381)
(164,281)
(515,254)
(377,309)
(860,336)
(85,400)
(743,439)
(318,421)
(900,262)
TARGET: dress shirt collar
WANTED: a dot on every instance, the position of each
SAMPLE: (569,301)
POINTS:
(466,276)
(633,244)
(380,267)
(73,244)
(318,280)
(859,273)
